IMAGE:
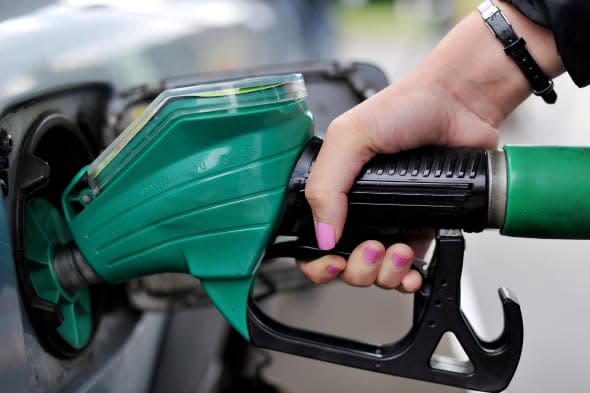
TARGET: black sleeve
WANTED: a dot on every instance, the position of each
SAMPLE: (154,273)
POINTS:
(570,22)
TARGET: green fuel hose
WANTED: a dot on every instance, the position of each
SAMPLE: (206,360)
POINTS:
(548,192)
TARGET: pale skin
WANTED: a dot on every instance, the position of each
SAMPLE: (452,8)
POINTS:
(457,97)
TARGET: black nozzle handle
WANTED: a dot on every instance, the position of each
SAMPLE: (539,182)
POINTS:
(428,187)
(431,187)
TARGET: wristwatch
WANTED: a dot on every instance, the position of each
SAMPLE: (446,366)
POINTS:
(515,47)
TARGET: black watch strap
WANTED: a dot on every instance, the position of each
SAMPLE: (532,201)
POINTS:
(515,47)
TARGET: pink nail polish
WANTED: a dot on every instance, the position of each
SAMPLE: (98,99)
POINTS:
(400,260)
(371,255)
(332,269)
(325,235)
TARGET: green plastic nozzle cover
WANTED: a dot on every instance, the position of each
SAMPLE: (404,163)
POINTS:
(195,185)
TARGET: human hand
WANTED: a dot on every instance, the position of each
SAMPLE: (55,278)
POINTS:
(409,114)
(457,97)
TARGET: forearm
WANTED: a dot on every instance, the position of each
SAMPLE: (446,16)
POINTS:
(470,64)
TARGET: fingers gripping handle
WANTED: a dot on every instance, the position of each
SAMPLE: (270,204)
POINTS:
(428,187)
(437,310)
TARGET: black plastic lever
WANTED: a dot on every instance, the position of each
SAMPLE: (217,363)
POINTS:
(437,310)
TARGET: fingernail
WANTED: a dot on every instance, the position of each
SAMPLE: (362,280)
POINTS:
(400,260)
(332,269)
(325,235)
(371,255)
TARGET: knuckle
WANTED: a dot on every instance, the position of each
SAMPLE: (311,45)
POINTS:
(347,124)
(316,197)
(343,133)
(337,125)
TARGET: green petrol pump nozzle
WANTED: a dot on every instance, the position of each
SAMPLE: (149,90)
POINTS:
(210,177)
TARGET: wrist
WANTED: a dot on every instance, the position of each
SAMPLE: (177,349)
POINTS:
(471,65)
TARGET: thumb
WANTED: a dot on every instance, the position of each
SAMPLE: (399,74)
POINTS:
(344,152)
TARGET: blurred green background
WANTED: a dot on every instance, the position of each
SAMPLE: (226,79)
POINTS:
(379,16)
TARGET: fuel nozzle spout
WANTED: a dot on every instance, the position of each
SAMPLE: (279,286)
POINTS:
(73,270)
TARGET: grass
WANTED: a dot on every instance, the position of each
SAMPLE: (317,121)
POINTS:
(376,18)
(385,18)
